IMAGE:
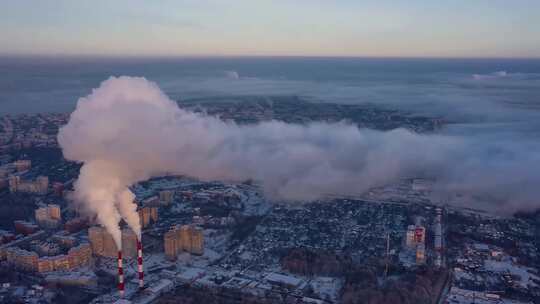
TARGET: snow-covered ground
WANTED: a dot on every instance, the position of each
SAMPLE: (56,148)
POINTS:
(326,287)
(463,296)
(526,277)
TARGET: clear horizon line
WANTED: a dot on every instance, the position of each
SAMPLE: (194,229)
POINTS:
(215,56)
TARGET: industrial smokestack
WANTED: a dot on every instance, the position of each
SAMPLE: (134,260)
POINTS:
(120,275)
(140,264)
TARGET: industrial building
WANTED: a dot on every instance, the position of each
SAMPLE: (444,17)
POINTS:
(415,239)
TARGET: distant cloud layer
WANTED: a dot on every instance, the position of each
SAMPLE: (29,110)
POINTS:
(232,74)
(495,75)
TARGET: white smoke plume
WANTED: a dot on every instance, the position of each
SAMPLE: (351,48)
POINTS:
(128,210)
(96,191)
(127,131)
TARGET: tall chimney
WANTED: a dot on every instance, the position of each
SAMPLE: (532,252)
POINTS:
(140,264)
(120,275)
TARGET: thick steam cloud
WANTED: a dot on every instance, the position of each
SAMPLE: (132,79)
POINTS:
(128,130)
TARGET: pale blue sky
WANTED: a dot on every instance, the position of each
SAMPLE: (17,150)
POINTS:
(418,28)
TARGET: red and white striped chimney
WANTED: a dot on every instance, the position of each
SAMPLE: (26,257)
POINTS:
(120,274)
(140,264)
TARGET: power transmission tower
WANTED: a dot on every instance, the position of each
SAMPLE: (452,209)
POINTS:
(387,254)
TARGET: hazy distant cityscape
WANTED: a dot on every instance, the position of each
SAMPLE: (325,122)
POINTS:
(269,152)
(216,242)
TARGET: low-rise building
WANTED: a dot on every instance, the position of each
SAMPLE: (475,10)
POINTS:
(24,227)
(22,165)
(39,186)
